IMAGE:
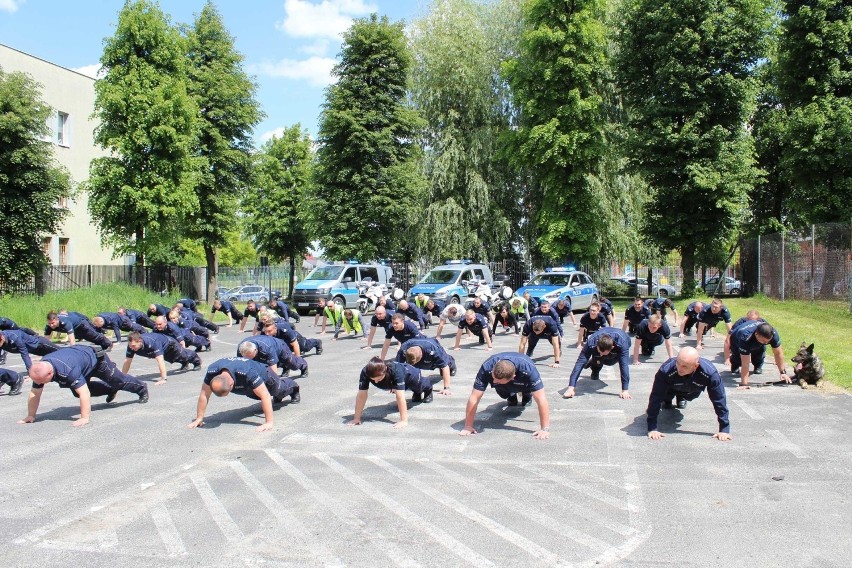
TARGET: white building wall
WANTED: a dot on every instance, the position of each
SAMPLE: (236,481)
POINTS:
(72,94)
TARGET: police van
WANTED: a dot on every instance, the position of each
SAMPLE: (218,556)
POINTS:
(337,282)
(563,283)
(449,281)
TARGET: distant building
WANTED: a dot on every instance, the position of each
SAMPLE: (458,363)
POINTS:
(72,96)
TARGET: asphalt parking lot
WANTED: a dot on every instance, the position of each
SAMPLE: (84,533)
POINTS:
(137,488)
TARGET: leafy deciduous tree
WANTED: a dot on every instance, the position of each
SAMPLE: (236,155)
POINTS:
(30,183)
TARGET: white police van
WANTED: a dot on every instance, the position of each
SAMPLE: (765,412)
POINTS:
(337,282)
(448,281)
(562,283)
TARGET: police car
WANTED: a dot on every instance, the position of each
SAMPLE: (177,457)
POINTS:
(563,283)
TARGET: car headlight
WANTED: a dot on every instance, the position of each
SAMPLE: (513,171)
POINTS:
(552,296)
(323,291)
(439,295)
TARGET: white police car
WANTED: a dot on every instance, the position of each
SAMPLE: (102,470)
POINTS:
(563,283)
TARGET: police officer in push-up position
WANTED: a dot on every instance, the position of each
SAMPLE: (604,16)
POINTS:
(227,308)
(509,374)
(606,347)
(282,329)
(748,346)
(116,322)
(412,312)
(683,379)
(660,306)
(75,368)
(76,326)
(400,329)
(590,322)
(427,354)
(273,352)
(690,317)
(381,319)
(392,376)
(540,327)
(709,317)
(162,348)
(477,324)
(634,314)
(650,333)
(136,317)
(244,376)
(16,341)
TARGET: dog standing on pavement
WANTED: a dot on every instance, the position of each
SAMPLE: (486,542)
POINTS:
(809,370)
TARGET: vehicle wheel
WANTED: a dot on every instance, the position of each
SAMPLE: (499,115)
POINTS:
(735,291)
(233,299)
(455,300)
(362,307)
(340,301)
(303,311)
(263,298)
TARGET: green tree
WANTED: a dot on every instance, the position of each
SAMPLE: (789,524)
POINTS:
(142,191)
(685,68)
(456,85)
(30,183)
(236,252)
(815,86)
(557,79)
(276,206)
(368,185)
(225,96)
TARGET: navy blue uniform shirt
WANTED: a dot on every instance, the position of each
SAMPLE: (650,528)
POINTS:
(434,356)
(745,341)
(385,323)
(409,331)
(398,375)
(710,319)
(247,374)
(71,366)
(620,352)
(592,325)
(527,378)
(668,383)
(551,329)
(479,324)
(153,345)
(552,313)
(634,316)
(644,333)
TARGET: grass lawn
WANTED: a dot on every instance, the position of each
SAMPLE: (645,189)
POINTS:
(828,325)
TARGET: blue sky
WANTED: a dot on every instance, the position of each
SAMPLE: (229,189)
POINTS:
(289,46)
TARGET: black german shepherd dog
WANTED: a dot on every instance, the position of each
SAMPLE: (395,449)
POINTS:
(809,370)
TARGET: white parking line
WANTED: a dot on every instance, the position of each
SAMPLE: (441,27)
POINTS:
(498,529)
(416,521)
(583,488)
(747,408)
(786,444)
(217,510)
(167,530)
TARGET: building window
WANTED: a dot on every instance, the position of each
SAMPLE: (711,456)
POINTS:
(63,135)
(45,246)
(63,252)
(63,202)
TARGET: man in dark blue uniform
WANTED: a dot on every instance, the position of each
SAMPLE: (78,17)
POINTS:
(12,378)
(7,324)
(690,317)
(751,315)
(400,329)
(545,309)
(155,310)
(540,327)
(16,341)
(249,378)
(709,317)
(684,379)
(748,347)
(116,322)
(427,354)
(190,313)
(74,368)
(481,307)
(136,317)
(606,347)
(563,309)
(391,376)
(660,306)
(382,318)
(227,308)
(188,330)
(433,308)
(283,310)
(608,310)
(162,349)
(272,352)
(634,314)
(76,326)
(251,311)
(509,374)
(413,313)
(590,322)
(189,304)
(477,325)
(282,329)
(650,333)
(191,321)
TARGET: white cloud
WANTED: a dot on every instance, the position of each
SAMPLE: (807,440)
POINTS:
(328,19)
(10,6)
(316,70)
(88,70)
(277,132)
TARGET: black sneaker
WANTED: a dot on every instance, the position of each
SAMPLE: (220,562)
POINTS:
(526,399)
(453,371)
(2,357)
(596,376)
(319,347)
(668,405)
(304,372)
(295,396)
(185,366)
(512,400)
(143,398)
(277,399)
(285,373)
(16,388)
(428,396)
(196,366)
(215,329)
(111,396)
(417,397)
(758,370)
(681,404)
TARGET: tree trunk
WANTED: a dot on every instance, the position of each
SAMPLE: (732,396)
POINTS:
(140,257)
(687,265)
(292,276)
(211,254)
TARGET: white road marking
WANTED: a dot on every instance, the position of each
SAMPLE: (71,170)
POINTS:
(167,530)
(217,510)
(498,529)
(788,445)
(749,410)
(585,489)
(427,526)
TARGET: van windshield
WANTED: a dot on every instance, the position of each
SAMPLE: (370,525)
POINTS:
(441,277)
(325,273)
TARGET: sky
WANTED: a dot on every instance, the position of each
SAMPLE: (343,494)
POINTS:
(289,46)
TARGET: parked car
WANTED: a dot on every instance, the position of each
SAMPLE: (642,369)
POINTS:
(450,281)
(729,286)
(222,292)
(657,289)
(248,292)
(554,284)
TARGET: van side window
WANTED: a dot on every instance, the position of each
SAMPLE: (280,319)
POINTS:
(477,273)
(369,272)
(468,275)
(352,273)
